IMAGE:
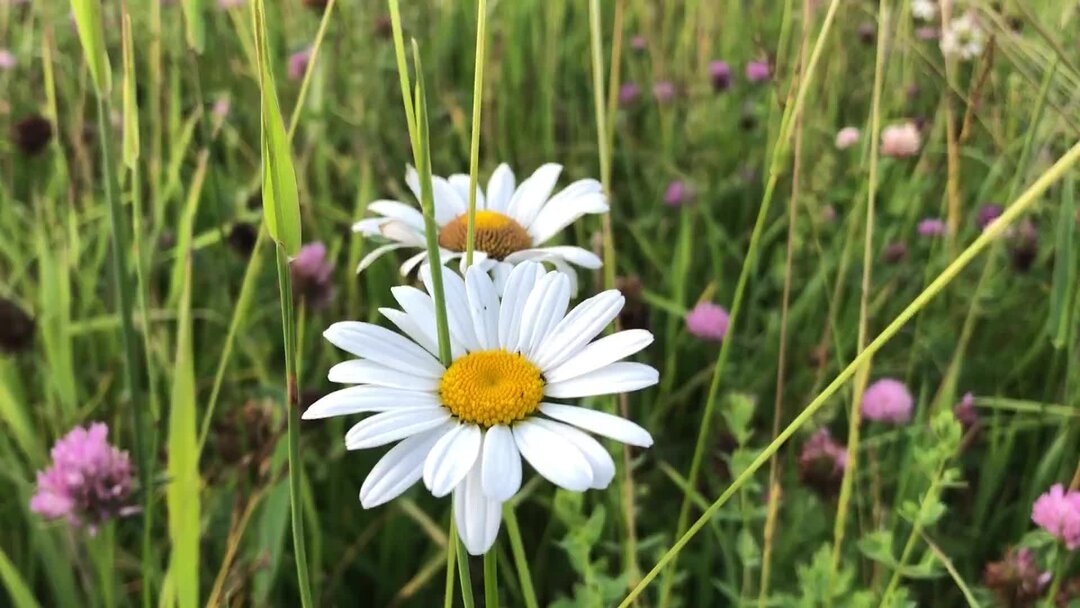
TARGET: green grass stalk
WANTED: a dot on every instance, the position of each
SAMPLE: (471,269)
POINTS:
(521,563)
(474,146)
(491,580)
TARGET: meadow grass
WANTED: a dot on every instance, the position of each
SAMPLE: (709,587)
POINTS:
(140,238)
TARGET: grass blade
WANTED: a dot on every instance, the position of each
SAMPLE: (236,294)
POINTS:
(21,596)
(87,15)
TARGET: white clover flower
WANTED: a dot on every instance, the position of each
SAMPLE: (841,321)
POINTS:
(512,223)
(464,428)
(924,10)
(963,38)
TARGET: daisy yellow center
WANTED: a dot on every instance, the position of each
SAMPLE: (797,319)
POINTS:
(496,234)
(491,387)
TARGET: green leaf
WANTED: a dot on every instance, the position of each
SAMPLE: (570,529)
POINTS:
(87,14)
(281,204)
(182,495)
(21,596)
(195,22)
(739,413)
(1064,266)
(131,107)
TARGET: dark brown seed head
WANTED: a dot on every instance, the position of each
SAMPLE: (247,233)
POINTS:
(32,134)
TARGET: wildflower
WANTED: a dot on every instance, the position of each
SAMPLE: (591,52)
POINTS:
(924,10)
(635,314)
(987,214)
(639,43)
(1025,246)
(757,71)
(895,252)
(964,38)
(32,134)
(927,32)
(1016,580)
(677,194)
(298,63)
(932,226)
(664,91)
(708,321)
(512,223)
(1058,512)
(867,32)
(887,400)
(720,74)
(901,140)
(89,481)
(965,411)
(311,272)
(464,428)
(242,237)
(822,462)
(847,137)
(628,94)
(221,108)
(7,60)
(16,328)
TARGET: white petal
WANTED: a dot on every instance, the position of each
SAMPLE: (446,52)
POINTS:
(483,307)
(367,398)
(559,214)
(553,456)
(460,182)
(405,323)
(574,255)
(451,459)
(502,464)
(383,346)
(578,328)
(364,371)
(401,232)
(500,274)
(519,285)
(369,226)
(478,517)
(377,253)
(457,305)
(421,310)
(399,211)
(386,427)
(601,423)
(408,265)
(448,203)
(603,467)
(615,378)
(533,193)
(546,307)
(500,188)
(608,349)
(398,469)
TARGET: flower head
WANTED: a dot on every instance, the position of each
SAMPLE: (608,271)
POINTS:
(677,194)
(16,328)
(963,38)
(894,252)
(664,91)
(32,134)
(932,226)
(463,428)
(7,60)
(89,481)
(628,93)
(757,71)
(311,275)
(987,214)
(867,32)
(887,400)
(1058,512)
(924,10)
(708,321)
(298,63)
(822,461)
(964,411)
(847,137)
(513,221)
(720,75)
(639,43)
(1016,580)
(901,140)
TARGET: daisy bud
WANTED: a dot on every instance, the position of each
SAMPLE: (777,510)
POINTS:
(720,74)
(16,328)
(311,276)
(757,71)
(847,137)
(708,321)
(901,140)
(887,400)
(89,482)
(32,134)
(1058,512)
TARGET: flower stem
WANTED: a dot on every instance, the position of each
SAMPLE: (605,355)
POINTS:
(474,148)
(916,530)
(451,559)
(992,232)
(517,548)
(1064,558)
(292,393)
(463,573)
(491,579)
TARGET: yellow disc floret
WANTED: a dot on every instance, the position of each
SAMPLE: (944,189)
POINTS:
(492,387)
(496,234)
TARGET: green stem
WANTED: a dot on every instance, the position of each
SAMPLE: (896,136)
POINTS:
(916,530)
(474,148)
(463,573)
(491,580)
(992,232)
(125,296)
(1064,558)
(451,558)
(292,409)
(521,564)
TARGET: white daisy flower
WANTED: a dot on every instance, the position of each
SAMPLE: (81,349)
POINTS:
(963,38)
(512,223)
(464,428)
(924,10)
